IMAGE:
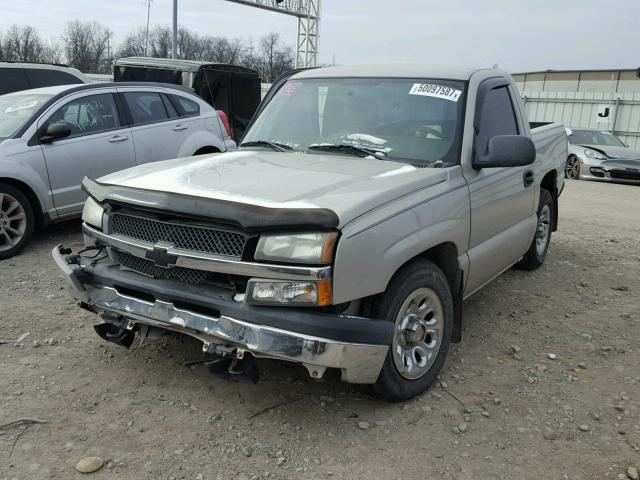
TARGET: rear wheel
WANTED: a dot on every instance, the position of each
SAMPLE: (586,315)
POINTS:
(572,168)
(16,221)
(537,252)
(419,302)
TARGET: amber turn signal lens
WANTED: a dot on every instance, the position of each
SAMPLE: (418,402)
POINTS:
(324,292)
(329,247)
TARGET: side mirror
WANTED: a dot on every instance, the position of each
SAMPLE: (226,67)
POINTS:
(55,131)
(507,151)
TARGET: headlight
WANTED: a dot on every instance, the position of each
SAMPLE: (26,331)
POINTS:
(277,292)
(313,248)
(92,213)
(593,154)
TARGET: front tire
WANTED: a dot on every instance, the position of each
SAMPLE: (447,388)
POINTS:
(572,168)
(537,252)
(419,302)
(16,221)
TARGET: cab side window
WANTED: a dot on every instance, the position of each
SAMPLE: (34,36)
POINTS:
(13,80)
(41,77)
(146,107)
(88,115)
(497,117)
(189,108)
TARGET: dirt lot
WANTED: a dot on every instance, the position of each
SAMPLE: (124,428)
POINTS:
(503,409)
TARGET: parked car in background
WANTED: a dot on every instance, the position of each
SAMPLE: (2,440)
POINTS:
(364,205)
(51,138)
(600,155)
(15,77)
(232,89)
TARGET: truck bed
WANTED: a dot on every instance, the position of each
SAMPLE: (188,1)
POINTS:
(550,140)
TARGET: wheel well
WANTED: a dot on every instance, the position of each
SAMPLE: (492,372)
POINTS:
(549,183)
(31,196)
(445,256)
(207,149)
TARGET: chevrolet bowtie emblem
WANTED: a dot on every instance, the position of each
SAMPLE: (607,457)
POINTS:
(161,258)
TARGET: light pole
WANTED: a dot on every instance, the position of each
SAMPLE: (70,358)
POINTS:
(146,35)
(174,42)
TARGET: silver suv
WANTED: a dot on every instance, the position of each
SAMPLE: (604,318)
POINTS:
(25,76)
(51,138)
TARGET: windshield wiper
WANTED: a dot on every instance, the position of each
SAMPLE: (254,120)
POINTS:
(352,149)
(276,146)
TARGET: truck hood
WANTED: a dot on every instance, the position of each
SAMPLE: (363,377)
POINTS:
(346,185)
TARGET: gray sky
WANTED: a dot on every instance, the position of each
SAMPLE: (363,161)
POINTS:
(517,34)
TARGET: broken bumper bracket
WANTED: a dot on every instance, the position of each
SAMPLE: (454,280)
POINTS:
(359,362)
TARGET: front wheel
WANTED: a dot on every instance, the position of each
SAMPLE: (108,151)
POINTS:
(419,302)
(572,168)
(16,221)
(537,252)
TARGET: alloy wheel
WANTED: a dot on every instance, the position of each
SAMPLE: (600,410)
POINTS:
(572,168)
(13,221)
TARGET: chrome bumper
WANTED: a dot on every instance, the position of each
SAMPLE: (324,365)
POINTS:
(359,363)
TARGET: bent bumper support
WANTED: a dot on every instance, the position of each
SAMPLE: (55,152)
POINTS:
(359,363)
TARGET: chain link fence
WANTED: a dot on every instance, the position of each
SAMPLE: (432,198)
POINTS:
(99,77)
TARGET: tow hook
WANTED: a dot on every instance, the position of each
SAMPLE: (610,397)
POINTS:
(234,365)
(114,334)
(236,370)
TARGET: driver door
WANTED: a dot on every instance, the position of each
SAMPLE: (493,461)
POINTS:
(99,144)
(503,216)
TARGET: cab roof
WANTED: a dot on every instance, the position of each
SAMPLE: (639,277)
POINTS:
(178,64)
(398,71)
(60,90)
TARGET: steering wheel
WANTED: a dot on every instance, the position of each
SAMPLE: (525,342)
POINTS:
(419,130)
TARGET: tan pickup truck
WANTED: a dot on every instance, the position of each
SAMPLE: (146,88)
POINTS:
(363,206)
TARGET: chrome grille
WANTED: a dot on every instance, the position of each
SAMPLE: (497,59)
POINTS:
(187,237)
(149,269)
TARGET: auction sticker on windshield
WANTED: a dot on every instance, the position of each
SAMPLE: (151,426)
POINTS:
(437,91)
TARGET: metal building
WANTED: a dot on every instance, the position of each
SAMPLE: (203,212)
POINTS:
(602,99)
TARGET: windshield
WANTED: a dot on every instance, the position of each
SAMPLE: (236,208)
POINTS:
(16,110)
(405,120)
(594,137)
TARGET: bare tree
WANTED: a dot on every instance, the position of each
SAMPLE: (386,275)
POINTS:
(234,51)
(53,53)
(86,45)
(189,45)
(217,49)
(160,41)
(133,44)
(23,44)
(271,59)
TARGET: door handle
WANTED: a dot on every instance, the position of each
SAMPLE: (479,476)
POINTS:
(118,138)
(528,178)
(179,127)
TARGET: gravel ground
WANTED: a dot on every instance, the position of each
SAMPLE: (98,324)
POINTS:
(502,410)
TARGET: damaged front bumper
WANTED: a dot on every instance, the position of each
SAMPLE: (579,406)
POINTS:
(355,345)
